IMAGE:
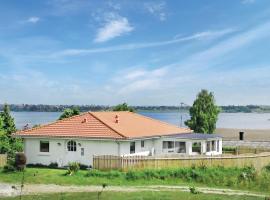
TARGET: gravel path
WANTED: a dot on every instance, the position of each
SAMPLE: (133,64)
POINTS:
(30,189)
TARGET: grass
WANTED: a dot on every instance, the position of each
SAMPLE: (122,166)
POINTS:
(235,178)
(135,196)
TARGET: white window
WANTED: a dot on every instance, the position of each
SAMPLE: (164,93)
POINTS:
(142,144)
(82,151)
(168,144)
(208,146)
(213,145)
(44,146)
(196,147)
(71,145)
(180,147)
(132,147)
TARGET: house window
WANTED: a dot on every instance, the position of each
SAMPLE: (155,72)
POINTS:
(44,146)
(82,151)
(142,144)
(180,147)
(132,147)
(208,146)
(213,145)
(168,144)
(71,145)
(196,147)
(217,145)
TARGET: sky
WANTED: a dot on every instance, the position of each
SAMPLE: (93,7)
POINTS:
(143,52)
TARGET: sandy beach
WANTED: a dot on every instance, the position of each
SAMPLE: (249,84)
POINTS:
(250,134)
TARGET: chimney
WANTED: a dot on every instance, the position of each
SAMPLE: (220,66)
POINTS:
(116,119)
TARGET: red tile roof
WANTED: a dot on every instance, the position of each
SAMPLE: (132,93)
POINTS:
(111,125)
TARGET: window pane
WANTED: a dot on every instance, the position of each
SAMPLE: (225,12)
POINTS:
(44,146)
(142,143)
(180,147)
(196,147)
(132,147)
(71,146)
(213,145)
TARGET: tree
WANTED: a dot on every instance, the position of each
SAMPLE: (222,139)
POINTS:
(123,107)
(69,112)
(204,113)
(8,121)
(8,144)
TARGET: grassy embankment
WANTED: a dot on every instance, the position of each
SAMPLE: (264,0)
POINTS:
(164,195)
(235,178)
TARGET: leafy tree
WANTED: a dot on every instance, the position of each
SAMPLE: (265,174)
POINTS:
(204,113)
(69,112)
(123,107)
(8,144)
(8,121)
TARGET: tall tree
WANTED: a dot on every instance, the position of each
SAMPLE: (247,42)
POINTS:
(204,113)
(69,112)
(123,107)
(8,121)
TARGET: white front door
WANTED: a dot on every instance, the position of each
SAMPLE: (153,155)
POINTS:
(73,151)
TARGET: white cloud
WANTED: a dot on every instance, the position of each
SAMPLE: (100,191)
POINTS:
(113,28)
(33,19)
(247,1)
(197,36)
(157,9)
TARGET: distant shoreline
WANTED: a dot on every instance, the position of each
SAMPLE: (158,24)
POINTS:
(85,108)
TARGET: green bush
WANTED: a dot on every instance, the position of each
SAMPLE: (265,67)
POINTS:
(53,165)
(20,161)
(83,167)
(9,168)
(73,168)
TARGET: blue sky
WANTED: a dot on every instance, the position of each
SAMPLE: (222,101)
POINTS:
(141,52)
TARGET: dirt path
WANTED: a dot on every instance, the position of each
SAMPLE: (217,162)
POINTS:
(30,189)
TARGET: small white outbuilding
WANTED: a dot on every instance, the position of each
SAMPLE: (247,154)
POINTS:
(78,138)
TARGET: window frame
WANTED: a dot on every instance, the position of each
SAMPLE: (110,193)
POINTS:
(181,146)
(195,148)
(132,147)
(142,144)
(41,149)
(72,146)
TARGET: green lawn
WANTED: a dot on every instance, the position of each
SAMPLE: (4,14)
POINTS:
(135,196)
(233,178)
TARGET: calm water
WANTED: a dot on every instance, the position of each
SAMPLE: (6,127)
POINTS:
(226,120)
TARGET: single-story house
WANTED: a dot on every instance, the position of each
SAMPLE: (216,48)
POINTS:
(80,137)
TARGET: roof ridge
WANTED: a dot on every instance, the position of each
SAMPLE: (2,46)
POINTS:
(156,120)
(92,113)
(51,123)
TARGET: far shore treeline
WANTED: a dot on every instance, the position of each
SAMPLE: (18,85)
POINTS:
(84,108)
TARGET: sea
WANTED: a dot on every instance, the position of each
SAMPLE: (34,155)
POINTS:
(225,120)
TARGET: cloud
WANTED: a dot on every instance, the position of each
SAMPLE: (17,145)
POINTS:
(113,28)
(197,36)
(157,9)
(248,1)
(33,20)
(134,80)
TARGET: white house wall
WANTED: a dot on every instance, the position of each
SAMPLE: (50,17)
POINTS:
(58,149)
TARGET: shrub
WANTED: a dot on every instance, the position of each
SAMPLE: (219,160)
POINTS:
(83,167)
(20,161)
(267,167)
(36,165)
(73,168)
(193,190)
(134,175)
(53,165)
(9,168)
